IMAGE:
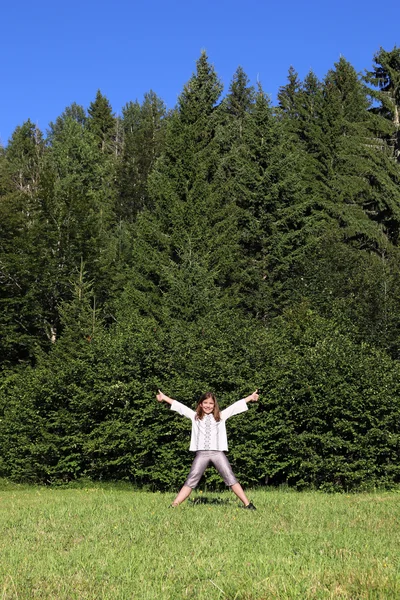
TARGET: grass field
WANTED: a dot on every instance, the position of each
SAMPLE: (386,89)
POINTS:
(104,542)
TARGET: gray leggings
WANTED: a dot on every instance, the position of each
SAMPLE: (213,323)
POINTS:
(202,459)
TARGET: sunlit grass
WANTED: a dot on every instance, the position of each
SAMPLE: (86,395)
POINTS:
(117,543)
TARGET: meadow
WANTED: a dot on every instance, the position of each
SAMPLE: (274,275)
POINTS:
(115,543)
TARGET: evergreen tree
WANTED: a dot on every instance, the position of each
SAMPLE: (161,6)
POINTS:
(362,174)
(78,213)
(288,94)
(102,123)
(185,247)
(254,178)
(76,112)
(385,77)
(21,169)
(349,185)
(180,183)
(143,134)
(240,98)
(348,212)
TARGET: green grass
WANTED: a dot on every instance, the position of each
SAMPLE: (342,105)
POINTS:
(105,542)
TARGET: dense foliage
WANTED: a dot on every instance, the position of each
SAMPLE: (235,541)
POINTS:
(228,244)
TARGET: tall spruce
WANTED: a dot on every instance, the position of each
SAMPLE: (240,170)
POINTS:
(349,211)
(75,111)
(102,123)
(385,77)
(143,138)
(253,177)
(186,247)
(78,212)
(21,264)
(178,230)
(362,174)
(347,187)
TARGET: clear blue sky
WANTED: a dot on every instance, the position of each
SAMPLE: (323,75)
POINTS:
(55,53)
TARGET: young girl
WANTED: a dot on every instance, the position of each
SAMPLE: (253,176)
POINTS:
(209,441)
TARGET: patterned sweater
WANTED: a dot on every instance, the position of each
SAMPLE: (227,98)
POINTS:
(207,433)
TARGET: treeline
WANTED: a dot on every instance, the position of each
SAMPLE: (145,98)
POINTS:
(227,244)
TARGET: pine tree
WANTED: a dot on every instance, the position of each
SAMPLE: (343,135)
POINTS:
(76,112)
(78,213)
(345,181)
(348,213)
(250,173)
(288,95)
(181,220)
(102,123)
(185,247)
(385,77)
(21,314)
(362,175)
(143,134)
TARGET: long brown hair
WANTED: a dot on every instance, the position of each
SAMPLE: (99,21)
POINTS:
(199,409)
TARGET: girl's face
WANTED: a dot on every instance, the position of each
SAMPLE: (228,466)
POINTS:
(208,405)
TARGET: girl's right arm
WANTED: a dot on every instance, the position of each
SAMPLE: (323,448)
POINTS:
(161,397)
(176,406)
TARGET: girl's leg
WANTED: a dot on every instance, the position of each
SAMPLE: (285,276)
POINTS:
(221,463)
(199,465)
(238,490)
(183,494)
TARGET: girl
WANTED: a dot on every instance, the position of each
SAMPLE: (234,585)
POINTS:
(209,441)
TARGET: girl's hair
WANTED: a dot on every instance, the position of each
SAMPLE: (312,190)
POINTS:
(199,408)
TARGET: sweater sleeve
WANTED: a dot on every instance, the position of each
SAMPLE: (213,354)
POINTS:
(234,409)
(182,409)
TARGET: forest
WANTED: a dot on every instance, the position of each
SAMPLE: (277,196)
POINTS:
(228,244)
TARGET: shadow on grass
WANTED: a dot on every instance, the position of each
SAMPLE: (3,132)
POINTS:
(208,500)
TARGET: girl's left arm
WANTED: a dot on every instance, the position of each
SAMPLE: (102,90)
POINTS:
(239,406)
(253,397)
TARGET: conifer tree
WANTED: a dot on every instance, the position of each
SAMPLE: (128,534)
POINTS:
(21,314)
(143,137)
(185,247)
(233,174)
(288,94)
(385,77)
(362,174)
(251,177)
(350,204)
(343,171)
(181,220)
(78,212)
(102,123)
(299,221)
(75,111)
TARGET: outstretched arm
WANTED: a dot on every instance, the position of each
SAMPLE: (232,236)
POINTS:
(238,407)
(161,397)
(175,405)
(252,398)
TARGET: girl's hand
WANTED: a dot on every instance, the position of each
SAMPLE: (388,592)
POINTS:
(253,397)
(160,396)
(163,398)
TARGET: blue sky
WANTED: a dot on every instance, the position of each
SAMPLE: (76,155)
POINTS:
(55,53)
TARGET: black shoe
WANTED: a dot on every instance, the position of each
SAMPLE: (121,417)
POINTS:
(250,506)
